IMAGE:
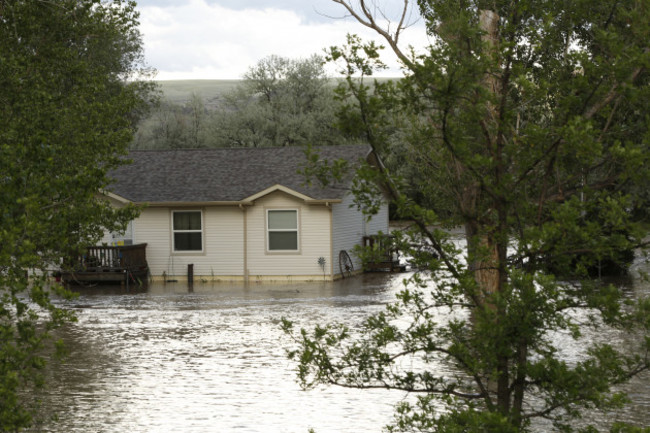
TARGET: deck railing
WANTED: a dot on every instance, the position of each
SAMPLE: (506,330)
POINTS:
(130,257)
(381,255)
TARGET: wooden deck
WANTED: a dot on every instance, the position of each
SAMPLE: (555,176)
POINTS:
(389,260)
(109,264)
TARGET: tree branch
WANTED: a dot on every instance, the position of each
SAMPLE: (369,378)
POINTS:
(444,391)
(367,19)
(591,112)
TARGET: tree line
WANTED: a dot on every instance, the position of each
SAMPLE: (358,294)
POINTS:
(280,102)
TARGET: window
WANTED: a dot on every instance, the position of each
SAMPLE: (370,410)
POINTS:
(282,228)
(187,231)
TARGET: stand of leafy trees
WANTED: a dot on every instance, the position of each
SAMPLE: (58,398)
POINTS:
(280,102)
(525,123)
(69,102)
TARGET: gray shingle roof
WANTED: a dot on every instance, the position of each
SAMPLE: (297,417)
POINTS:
(223,174)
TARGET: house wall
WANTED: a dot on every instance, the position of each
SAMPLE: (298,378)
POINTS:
(223,248)
(228,253)
(350,226)
(379,223)
(107,239)
(349,231)
(314,241)
(224,256)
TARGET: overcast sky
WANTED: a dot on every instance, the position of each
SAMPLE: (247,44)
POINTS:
(220,39)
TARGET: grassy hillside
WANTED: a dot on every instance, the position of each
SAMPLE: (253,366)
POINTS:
(180,91)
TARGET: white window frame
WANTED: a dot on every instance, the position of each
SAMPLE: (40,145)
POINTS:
(269,230)
(174,231)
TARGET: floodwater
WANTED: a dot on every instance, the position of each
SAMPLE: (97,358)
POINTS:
(213,360)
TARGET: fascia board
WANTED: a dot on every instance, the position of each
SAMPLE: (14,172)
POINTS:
(195,203)
(275,188)
(116,197)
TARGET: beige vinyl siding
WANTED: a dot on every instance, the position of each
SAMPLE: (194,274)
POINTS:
(379,222)
(350,226)
(313,239)
(152,228)
(107,238)
(223,245)
(349,229)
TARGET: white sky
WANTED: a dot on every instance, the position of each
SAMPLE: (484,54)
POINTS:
(221,39)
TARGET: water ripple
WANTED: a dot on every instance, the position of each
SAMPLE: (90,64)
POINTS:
(214,360)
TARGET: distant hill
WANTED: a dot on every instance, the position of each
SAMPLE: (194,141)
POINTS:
(180,91)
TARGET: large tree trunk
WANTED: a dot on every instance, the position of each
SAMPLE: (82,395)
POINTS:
(486,240)
(483,246)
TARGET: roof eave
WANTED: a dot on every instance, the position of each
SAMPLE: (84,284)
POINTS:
(116,197)
(195,203)
(326,202)
(228,203)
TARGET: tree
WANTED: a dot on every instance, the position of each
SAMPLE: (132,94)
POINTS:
(69,99)
(197,116)
(281,102)
(526,123)
(171,128)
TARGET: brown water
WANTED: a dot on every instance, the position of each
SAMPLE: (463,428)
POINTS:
(166,360)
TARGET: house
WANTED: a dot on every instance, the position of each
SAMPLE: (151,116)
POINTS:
(243,213)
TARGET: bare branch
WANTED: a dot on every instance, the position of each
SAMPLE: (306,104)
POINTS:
(366,18)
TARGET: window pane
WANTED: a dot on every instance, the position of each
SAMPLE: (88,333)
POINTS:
(187,220)
(283,240)
(283,219)
(187,242)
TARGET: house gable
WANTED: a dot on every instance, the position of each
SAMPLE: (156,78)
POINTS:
(314,238)
(289,191)
(276,188)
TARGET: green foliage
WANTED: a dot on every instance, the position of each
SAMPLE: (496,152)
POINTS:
(280,102)
(69,100)
(526,124)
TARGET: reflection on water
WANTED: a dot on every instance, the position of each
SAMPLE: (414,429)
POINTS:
(213,360)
